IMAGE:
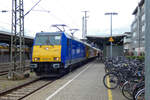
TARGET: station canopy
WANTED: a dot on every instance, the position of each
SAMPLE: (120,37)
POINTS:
(5,37)
(117,39)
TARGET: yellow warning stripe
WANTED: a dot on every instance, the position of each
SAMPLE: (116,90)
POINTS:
(109,91)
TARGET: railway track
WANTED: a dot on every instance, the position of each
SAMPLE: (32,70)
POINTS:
(25,90)
(5,72)
(4,67)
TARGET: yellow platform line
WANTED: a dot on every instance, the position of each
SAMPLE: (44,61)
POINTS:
(109,91)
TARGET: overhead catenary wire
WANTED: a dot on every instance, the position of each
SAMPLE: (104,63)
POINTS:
(32,8)
(51,14)
(47,11)
(54,16)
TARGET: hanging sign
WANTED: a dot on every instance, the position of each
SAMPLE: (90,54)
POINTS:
(111,39)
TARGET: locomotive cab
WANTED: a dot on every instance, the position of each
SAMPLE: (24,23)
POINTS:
(46,53)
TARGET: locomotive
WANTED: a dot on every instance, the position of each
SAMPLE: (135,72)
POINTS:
(54,53)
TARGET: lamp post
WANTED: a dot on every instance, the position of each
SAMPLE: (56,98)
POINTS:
(111,13)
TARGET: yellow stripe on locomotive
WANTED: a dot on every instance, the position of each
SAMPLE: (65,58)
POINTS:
(46,53)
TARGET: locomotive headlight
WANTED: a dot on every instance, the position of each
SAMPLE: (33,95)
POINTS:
(56,58)
(46,48)
(36,59)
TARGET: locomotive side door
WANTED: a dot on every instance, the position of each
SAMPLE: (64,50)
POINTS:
(69,44)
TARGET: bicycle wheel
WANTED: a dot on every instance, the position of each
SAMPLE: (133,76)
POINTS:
(110,80)
(140,95)
(126,91)
(138,87)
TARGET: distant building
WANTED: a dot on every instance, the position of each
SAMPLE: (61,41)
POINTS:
(137,30)
(127,41)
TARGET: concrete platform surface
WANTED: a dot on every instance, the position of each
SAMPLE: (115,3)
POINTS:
(85,83)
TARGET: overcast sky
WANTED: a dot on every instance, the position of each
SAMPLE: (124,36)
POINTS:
(69,12)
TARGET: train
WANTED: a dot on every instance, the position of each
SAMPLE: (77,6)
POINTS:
(5,52)
(55,53)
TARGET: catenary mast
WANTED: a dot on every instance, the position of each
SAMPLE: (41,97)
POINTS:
(17,38)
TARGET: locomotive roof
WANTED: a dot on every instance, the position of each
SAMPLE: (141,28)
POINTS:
(68,36)
(47,33)
(58,33)
(87,44)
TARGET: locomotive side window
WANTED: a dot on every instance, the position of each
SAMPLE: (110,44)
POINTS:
(48,40)
(67,42)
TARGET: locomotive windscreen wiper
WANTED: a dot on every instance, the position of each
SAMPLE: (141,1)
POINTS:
(48,42)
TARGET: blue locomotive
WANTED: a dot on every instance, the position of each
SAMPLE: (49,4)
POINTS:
(54,53)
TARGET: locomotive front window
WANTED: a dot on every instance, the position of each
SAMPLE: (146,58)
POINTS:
(48,40)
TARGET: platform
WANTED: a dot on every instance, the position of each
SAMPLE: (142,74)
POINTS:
(85,83)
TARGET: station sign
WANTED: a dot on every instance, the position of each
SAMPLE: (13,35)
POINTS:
(111,39)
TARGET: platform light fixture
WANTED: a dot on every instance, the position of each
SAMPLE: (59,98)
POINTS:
(111,14)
